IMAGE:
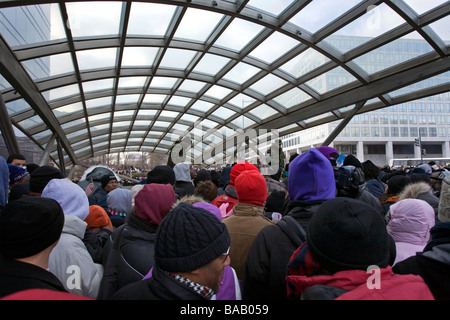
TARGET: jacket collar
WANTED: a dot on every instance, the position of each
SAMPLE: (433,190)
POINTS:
(245,209)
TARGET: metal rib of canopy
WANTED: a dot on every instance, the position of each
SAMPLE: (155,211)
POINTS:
(124,76)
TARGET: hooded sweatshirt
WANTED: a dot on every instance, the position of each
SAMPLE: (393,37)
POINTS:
(410,224)
(70,260)
(183,184)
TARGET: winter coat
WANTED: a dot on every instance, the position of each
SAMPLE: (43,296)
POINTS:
(409,225)
(422,191)
(265,271)
(17,276)
(353,285)
(71,262)
(100,198)
(229,196)
(433,263)
(375,187)
(161,286)
(243,226)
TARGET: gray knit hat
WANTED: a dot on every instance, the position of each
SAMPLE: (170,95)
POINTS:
(189,238)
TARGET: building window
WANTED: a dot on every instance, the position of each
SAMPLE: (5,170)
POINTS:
(412,119)
(413,132)
(394,132)
(431,119)
(365,132)
(440,119)
(384,119)
(422,119)
(394,119)
(423,132)
(412,107)
(375,131)
(374,119)
(404,132)
(430,107)
(421,107)
(355,131)
(433,132)
(385,131)
(364,118)
(440,107)
(442,132)
(403,119)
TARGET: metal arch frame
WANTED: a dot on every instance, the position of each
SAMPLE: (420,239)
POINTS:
(318,104)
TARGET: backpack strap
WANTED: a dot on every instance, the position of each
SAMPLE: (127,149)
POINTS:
(292,229)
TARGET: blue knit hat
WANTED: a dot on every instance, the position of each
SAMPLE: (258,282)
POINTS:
(16,173)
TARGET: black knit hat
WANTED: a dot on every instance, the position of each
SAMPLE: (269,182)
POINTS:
(29,225)
(189,238)
(107,178)
(161,175)
(397,183)
(348,234)
(41,176)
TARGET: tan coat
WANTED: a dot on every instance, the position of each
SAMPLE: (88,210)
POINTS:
(243,226)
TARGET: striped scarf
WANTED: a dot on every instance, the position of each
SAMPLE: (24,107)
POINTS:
(204,291)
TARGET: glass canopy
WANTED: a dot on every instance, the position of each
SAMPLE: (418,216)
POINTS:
(134,76)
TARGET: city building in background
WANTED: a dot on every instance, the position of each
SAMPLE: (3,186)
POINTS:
(388,133)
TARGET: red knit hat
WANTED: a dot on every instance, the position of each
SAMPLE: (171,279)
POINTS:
(238,168)
(251,188)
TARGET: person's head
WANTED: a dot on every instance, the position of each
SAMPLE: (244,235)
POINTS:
(348,234)
(311,177)
(41,176)
(207,190)
(329,153)
(97,218)
(397,183)
(411,221)
(238,168)
(17,175)
(193,243)
(154,202)
(16,159)
(109,182)
(119,201)
(161,175)
(70,196)
(29,226)
(202,175)
(182,172)
(351,160)
(251,188)
(371,171)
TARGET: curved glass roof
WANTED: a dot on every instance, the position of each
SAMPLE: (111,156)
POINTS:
(108,77)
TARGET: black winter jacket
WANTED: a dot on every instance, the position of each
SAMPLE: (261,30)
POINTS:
(267,261)
(129,256)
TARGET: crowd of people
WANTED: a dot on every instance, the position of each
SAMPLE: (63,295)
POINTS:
(318,229)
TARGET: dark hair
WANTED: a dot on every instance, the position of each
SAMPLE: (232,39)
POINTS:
(15,156)
(206,189)
(371,171)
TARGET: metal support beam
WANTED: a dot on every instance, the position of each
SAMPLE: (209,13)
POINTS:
(7,129)
(343,123)
(62,165)
(47,150)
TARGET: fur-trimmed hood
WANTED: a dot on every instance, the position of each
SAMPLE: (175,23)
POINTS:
(413,190)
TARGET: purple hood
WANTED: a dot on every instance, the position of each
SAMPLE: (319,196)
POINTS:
(311,177)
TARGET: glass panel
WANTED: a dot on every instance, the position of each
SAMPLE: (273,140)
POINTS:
(421,6)
(273,47)
(127,113)
(241,73)
(93,18)
(146,114)
(331,80)
(62,92)
(223,113)
(154,98)
(263,111)
(105,84)
(169,114)
(241,100)
(305,62)
(31,24)
(292,97)
(17,106)
(197,24)
(202,106)
(268,84)
(149,19)
(189,117)
(121,124)
(191,86)
(372,24)
(218,92)
(272,6)
(179,101)
(238,34)
(177,58)
(30,122)
(131,82)
(318,13)
(74,123)
(102,116)
(441,27)
(211,64)
(70,108)
(142,123)
(4,85)
(138,56)
(78,133)
(96,58)
(163,82)
(93,103)
(37,68)
(393,53)
(243,122)
(127,98)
